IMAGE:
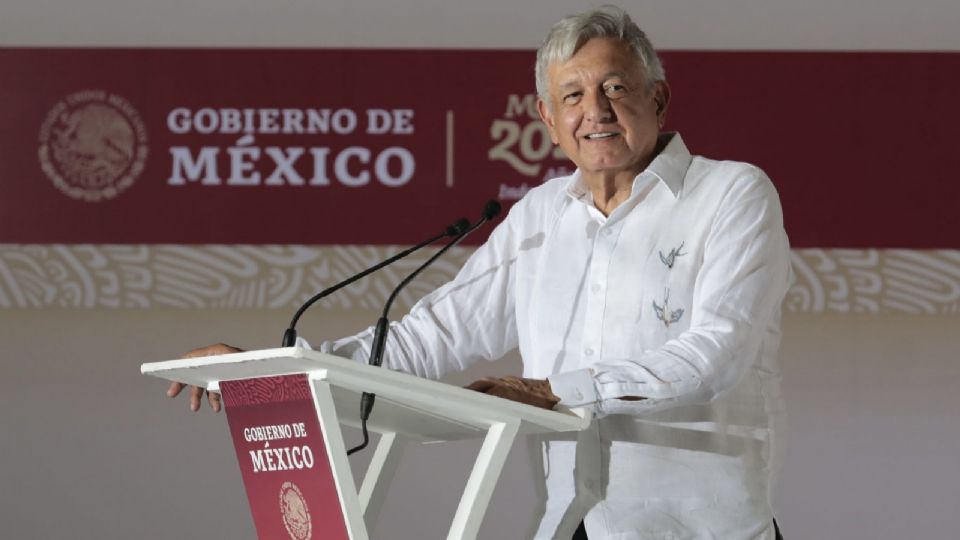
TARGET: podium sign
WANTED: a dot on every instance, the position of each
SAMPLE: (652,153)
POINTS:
(283,458)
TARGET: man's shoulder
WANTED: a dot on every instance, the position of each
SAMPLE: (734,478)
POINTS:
(712,175)
(702,166)
(547,195)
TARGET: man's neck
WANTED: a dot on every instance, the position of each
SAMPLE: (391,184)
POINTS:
(610,191)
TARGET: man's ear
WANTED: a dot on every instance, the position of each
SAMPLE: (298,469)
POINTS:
(661,96)
(547,118)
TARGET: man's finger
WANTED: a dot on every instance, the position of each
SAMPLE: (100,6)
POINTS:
(214,399)
(514,383)
(212,350)
(196,392)
(174,389)
(482,385)
(503,391)
(521,396)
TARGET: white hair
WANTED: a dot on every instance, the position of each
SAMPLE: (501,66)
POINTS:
(572,32)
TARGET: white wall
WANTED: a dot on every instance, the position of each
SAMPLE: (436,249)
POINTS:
(680,24)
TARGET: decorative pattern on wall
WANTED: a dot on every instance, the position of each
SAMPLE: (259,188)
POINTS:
(875,281)
(282,277)
(208,277)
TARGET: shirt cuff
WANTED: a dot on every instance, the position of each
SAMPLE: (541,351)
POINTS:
(574,388)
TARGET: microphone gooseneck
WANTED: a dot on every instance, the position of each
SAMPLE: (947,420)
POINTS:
(490,210)
(456,229)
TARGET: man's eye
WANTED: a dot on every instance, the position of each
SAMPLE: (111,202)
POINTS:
(614,89)
(572,97)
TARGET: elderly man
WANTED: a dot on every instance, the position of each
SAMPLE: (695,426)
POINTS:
(646,287)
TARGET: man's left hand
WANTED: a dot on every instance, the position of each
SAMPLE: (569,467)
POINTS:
(536,392)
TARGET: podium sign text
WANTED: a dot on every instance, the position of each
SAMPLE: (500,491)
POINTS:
(282,456)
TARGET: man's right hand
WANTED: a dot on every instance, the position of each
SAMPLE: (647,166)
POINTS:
(196,392)
(536,392)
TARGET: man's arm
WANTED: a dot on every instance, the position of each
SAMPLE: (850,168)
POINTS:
(468,319)
(536,392)
(471,318)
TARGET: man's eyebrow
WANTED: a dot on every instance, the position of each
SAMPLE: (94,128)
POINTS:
(606,76)
(612,74)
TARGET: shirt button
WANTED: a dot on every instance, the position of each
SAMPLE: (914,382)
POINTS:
(607,232)
(588,351)
(595,288)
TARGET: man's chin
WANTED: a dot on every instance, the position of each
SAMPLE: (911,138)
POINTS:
(609,167)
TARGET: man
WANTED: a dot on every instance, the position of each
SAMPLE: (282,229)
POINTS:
(646,287)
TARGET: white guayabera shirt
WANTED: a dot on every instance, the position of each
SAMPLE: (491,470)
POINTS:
(674,297)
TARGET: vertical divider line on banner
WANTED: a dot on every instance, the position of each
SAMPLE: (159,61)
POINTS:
(337,453)
(450,149)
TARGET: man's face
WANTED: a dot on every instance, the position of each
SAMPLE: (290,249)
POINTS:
(601,111)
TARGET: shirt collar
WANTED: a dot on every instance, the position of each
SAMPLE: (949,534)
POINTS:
(670,166)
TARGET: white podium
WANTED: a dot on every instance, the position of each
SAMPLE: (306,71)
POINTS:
(407,408)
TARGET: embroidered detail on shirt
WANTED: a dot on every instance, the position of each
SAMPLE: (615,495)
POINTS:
(671,257)
(663,310)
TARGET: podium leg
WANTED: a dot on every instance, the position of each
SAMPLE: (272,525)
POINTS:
(379,474)
(483,478)
(337,453)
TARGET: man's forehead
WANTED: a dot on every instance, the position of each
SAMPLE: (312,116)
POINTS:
(598,58)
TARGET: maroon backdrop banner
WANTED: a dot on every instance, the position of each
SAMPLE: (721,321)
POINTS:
(387,146)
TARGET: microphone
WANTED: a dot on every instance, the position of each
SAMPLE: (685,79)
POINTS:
(490,210)
(456,229)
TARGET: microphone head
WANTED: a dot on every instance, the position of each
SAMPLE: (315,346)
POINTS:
(491,209)
(459,227)
(289,337)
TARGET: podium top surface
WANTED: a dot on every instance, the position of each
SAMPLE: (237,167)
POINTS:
(406,404)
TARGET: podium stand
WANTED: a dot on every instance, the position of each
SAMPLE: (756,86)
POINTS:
(408,408)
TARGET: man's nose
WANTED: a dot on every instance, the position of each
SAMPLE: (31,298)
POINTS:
(597,107)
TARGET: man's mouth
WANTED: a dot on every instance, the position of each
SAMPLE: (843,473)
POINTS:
(601,135)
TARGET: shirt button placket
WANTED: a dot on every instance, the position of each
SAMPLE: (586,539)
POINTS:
(593,322)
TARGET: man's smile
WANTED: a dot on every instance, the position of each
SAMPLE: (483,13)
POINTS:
(600,135)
